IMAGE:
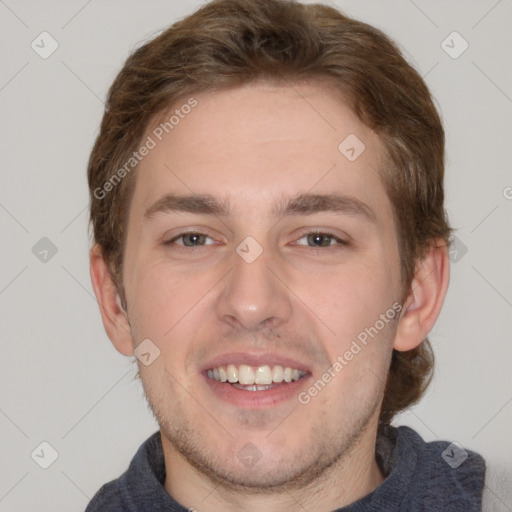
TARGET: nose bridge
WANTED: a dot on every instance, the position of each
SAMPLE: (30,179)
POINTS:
(253,296)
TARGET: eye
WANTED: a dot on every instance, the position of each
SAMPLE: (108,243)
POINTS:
(318,239)
(189,239)
(314,240)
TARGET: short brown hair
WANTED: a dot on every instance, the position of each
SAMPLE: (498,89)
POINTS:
(228,43)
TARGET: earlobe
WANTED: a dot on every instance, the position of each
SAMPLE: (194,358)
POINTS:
(425,300)
(114,317)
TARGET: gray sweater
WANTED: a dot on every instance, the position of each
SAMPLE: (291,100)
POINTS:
(420,476)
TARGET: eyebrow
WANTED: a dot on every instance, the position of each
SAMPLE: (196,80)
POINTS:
(300,204)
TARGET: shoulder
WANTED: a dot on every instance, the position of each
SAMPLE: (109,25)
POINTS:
(108,497)
(445,472)
(138,481)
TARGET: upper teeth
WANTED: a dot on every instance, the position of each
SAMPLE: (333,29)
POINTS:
(247,375)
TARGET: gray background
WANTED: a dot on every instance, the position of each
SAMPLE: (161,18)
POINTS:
(63,382)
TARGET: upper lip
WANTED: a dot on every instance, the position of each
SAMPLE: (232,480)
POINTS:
(254,359)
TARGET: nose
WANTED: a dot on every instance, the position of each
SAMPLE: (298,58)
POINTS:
(254,295)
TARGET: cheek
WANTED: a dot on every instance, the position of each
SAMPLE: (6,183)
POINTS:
(359,353)
(359,292)
(155,301)
(165,304)
(359,310)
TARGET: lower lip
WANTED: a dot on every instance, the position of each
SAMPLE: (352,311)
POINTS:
(255,399)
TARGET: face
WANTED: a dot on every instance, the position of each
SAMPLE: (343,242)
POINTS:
(283,264)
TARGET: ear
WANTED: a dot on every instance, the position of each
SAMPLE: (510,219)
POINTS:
(425,298)
(115,318)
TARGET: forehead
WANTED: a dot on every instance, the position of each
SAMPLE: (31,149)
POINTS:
(259,142)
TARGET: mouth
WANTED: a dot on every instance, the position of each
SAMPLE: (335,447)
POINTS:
(259,378)
(249,386)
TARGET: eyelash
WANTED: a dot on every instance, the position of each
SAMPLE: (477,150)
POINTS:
(180,247)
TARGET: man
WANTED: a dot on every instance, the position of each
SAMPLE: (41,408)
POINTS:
(271,244)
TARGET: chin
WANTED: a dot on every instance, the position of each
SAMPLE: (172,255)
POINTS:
(248,469)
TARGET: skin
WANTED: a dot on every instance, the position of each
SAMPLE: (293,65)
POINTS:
(255,145)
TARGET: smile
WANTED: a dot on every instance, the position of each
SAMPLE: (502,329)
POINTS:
(247,375)
(255,378)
